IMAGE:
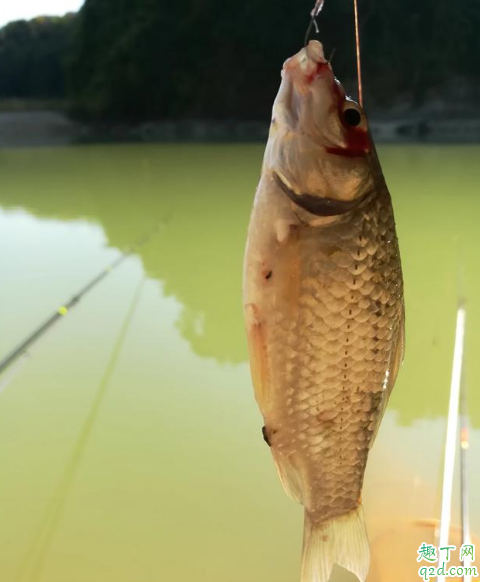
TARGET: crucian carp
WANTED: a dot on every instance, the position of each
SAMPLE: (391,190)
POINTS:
(323,303)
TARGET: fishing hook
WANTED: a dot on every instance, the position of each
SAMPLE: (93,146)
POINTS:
(313,22)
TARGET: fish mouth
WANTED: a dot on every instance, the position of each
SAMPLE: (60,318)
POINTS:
(319,206)
(316,64)
(309,64)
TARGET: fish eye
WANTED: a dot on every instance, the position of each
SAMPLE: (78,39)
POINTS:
(352,117)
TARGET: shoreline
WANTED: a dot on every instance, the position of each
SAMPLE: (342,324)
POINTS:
(54,128)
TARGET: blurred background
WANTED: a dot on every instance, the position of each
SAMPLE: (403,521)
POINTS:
(151,69)
(131,140)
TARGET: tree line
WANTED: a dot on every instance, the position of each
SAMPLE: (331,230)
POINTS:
(33,58)
(157,59)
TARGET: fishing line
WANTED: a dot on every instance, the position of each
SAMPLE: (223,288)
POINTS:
(357,50)
(40,545)
(64,309)
(332,54)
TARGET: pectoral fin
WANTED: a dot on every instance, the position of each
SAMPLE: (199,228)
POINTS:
(257,347)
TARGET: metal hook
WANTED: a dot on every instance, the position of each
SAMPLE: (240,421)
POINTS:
(313,23)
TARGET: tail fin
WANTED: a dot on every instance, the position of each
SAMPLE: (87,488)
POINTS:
(342,540)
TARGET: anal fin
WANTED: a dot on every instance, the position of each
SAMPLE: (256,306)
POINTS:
(290,476)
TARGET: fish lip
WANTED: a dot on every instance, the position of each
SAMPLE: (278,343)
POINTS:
(309,64)
(324,206)
(314,51)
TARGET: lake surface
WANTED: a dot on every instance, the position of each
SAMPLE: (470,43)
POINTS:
(131,442)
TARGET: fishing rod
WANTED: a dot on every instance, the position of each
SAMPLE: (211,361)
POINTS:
(64,309)
(452,430)
(464,446)
(32,565)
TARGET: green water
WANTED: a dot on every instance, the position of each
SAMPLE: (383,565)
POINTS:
(131,448)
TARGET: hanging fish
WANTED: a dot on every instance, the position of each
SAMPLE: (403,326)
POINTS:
(323,302)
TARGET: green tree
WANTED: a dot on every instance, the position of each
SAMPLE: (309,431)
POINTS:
(157,59)
(32,57)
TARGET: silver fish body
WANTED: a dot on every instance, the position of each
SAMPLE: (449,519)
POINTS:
(323,301)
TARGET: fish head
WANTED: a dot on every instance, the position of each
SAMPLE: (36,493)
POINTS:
(320,146)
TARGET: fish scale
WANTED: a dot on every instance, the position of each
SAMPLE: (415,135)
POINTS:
(340,339)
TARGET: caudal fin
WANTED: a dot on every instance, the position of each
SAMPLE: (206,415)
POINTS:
(342,541)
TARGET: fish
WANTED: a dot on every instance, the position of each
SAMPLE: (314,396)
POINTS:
(323,305)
